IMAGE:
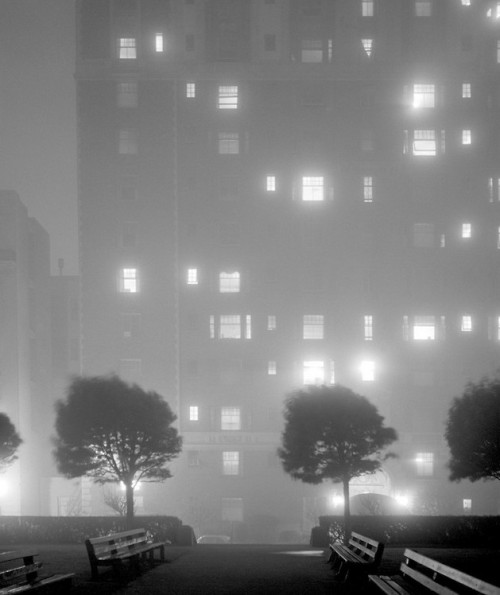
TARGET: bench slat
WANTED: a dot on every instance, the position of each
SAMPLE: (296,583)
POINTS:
(387,585)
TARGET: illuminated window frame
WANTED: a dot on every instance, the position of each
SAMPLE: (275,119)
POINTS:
(229,143)
(367,369)
(313,372)
(368,189)
(313,326)
(368,327)
(466,323)
(424,328)
(127,48)
(367,8)
(313,188)
(192,276)
(272,369)
(228,97)
(466,137)
(311,51)
(230,326)
(229,282)
(466,231)
(367,45)
(159,43)
(194,413)
(230,462)
(230,419)
(424,95)
(271,322)
(425,464)
(271,183)
(129,280)
(466,91)
(190,90)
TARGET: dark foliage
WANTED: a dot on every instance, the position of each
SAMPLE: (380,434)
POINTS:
(473,432)
(9,441)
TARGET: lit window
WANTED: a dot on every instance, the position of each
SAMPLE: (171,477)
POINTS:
(424,328)
(127,49)
(230,326)
(423,235)
(232,509)
(498,51)
(466,137)
(467,502)
(423,8)
(230,418)
(313,326)
(159,46)
(466,324)
(231,463)
(194,413)
(312,51)
(248,326)
(425,464)
(494,189)
(271,183)
(228,97)
(271,368)
(129,281)
(127,142)
(423,95)
(368,327)
(498,238)
(367,8)
(424,143)
(127,94)
(466,2)
(313,188)
(368,189)
(271,322)
(466,90)
(442,240)
(229,282)
(367,46)
(192,277)
(367,371)
(190,90)
(466,230)
(314,372)
(229,143)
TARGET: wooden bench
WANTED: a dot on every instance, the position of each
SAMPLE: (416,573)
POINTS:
(113,550)
(360,556)
(420,574)
(19,574)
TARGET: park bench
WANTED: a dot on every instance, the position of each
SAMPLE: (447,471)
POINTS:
(360,555)
(420,574)
(113,550)
(19,574)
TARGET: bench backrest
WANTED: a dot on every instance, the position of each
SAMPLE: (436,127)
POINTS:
(440,578)
(366,547)
(18,567)
(116,542)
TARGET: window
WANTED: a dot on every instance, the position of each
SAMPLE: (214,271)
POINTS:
(230,418)
(367,46)
(466,231)
(467,505)
(270,42)
(466,90)
(424,328)
(498,238)
(368,189)
(368,327)
(425,143)
(313,372)
(466,137)
(159,45)
(271,322)
(131,325)
(313,326)
(423,8)
(271,183)
(194,413)
(232,509)
(229,282)
(192,277)
(127,142)
(312,51)
(129,281)
(127,49)
(271,368)
(230,326)
(229,143)
(313,188)
(228,97)
(498,51)
(466,2)
(423,235)
(425,464)
(367,8)
(423,95)
(494,189)
(367,371)
(466,324)
(231,463)
(127,94)
(190,90)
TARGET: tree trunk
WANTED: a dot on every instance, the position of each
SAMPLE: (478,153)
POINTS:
(129,500)
(347,510)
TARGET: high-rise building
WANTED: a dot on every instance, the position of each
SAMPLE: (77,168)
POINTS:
(278,193)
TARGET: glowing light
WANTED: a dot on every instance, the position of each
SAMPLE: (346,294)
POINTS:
(136,487)
(337,500)
(367,368)
(4,487)
(403,499)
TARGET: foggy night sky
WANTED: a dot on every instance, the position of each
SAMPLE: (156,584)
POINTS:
(37,117)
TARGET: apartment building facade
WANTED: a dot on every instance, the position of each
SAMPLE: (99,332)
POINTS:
(278,193)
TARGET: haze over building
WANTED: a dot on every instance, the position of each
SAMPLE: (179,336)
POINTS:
(278,193)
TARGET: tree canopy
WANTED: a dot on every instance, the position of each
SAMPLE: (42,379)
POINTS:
(116,432)
(473,432)
(332,433)
(9,441)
